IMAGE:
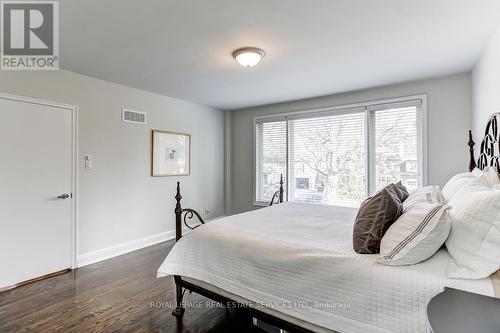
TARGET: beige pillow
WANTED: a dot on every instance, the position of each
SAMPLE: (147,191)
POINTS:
(495,280)
(416,235)
(429,194)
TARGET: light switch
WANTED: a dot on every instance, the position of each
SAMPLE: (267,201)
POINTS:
(88,162)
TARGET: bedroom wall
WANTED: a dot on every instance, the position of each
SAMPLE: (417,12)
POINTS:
(486,85)
(120,205)
(449,118)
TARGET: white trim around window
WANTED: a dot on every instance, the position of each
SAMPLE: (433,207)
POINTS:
(419,101)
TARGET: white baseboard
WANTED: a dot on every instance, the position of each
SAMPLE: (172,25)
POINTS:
(119,249)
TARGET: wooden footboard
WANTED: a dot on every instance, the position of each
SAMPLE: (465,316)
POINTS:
(184,216)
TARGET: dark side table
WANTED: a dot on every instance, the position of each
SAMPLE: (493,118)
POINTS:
(457,311)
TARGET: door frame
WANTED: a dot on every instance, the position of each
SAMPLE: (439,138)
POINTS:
(74,159)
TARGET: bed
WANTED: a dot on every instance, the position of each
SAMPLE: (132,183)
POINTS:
(292,264)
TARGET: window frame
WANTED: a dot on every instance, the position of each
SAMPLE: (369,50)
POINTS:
(368,108)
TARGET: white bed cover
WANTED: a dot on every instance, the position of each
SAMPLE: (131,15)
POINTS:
(298,259)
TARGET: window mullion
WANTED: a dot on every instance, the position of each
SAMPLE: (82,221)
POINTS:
(367,153)
(259,166)
(287,159)
(371,148)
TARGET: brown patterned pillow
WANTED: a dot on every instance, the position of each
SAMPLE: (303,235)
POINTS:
(400,190)
(375,216)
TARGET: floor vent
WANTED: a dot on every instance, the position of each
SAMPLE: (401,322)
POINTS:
(136,117)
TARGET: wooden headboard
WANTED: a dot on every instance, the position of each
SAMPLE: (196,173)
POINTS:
(489,155)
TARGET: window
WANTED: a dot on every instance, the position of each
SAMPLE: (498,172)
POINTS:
(396,146)
(270,157)
(340,156)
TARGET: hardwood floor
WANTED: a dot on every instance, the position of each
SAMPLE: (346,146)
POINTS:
(117,295)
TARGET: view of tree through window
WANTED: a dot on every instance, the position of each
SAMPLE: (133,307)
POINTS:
(327,158)
(328,152)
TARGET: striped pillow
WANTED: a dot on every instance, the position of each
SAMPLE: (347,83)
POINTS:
(429,194)
(416,235)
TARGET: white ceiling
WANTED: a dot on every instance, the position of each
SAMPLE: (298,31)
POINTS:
(182,48)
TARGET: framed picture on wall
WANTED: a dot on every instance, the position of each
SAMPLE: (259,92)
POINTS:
(171,154)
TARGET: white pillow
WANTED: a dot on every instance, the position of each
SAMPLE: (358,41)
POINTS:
(458,181)
(474,241)
(491,176)
(417,234)
(477,172)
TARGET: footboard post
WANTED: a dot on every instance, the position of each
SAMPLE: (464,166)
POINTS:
(178,213)
(281,188)
(278,195)
(179,309)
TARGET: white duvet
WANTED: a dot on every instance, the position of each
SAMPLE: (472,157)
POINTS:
(298,259)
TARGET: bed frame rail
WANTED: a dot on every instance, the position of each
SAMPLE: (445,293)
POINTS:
(278,322)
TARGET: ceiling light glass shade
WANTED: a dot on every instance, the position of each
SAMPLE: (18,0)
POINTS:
(248,56)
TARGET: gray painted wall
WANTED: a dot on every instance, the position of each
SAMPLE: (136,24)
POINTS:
(118,200)
(449,118)
(486,86)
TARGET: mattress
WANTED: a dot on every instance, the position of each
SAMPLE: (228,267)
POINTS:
(297,259)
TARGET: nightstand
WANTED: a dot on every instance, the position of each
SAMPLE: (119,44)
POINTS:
(456,311)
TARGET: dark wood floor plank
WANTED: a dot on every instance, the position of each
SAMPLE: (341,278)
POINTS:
(115,295)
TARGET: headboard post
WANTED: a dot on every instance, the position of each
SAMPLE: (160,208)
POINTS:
(178,213)
(472,159)
(281,188)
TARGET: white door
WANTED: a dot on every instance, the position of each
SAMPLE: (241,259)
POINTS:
(35,168)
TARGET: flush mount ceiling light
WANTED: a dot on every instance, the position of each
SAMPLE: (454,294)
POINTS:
(248,56)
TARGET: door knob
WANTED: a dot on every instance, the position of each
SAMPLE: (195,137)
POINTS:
(63,196)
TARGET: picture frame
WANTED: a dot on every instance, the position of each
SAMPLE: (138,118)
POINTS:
(170,153)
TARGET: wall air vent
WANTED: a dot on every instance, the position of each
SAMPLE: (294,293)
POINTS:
(136,117)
